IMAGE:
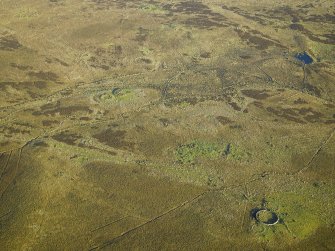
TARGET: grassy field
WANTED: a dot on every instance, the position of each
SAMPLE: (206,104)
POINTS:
(166,125)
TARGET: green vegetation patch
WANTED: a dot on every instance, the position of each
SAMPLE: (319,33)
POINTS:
(234,152)
(184,104)
(301,213)
(323,52)
(301,216)
(124,95)
(152,8)
(188,153)
(116,94)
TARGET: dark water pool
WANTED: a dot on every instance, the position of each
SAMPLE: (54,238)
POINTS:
(304,57)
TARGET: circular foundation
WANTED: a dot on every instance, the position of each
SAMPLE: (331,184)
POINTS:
(267,217)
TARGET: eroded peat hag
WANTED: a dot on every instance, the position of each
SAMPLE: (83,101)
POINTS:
(167,125)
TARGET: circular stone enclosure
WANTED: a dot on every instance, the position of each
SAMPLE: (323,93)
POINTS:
(267,217)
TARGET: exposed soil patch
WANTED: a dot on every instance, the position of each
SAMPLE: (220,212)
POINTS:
(202,16)
(245,14)
(96,148)
(49,122)
(9,43)
(106,58)
(192,100)
(326,18)
(26,85)
(72,140)
(287,113)
(38,143)
(165,122)
(245,56)
(235,106)
(45,75)
(220,73)
(188,7)
(85,118)
(258,104)
(329,105)
(142,35)
(205,54)
(67,138)
(310,115)
(329,122)
(286,13)
(312,89)
(298,27)
(12,130)
(325,38)
(259,42)
(53,109)
(21,67)
(223,120)
(56,60)
(297,115)
(256,94)
(4,143)
(108,4)
(203,22)
(145,60)
(114,138)
(300,101)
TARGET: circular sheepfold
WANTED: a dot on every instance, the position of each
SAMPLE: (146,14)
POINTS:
(267,217)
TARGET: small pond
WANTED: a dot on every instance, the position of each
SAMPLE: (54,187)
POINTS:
(304,57)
